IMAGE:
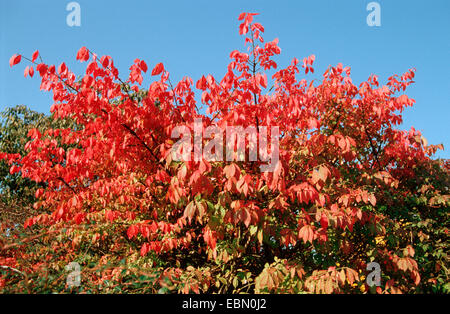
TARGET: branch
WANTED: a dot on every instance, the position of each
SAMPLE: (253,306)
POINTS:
(67,184)
(13,269)
(374,150)
(145,146)
(57,75)
(255,96)
(140,140)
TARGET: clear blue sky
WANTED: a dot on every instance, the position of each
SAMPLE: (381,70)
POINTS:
(195,37)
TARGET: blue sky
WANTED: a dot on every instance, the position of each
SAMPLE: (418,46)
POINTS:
(195,37)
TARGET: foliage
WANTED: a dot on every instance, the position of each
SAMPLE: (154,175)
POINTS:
(14,126)
(17,193)
(349,188)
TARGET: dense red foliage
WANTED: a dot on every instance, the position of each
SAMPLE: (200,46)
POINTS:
(340,160)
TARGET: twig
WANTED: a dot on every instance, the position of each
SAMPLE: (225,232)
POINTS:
(67,184)
(13,269)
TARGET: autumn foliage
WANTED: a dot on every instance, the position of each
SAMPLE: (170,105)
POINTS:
(349,188)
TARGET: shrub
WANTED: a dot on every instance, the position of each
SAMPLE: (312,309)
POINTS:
(348,188)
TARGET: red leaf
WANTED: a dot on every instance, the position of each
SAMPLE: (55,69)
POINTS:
(144,249)
(14,60)
(62,68)
(34,56)
(158,69)
(14,169)
(132,231)
(245,217)
(324,221)
(105,61)
(306,233)
(263,80)
(79,218)
(372,199)
(243,29)
(143,66)
(39,193)
(210,238)
(189,211)
(83,54)
(42,68)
